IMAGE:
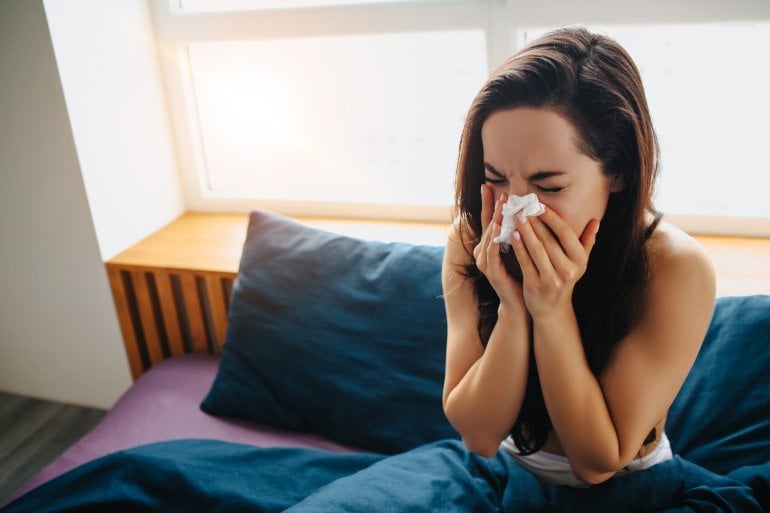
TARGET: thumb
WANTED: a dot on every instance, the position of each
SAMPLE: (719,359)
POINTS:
(588,239)
(487,202)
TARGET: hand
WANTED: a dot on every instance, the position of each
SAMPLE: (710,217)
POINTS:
(552,260)
(487,252)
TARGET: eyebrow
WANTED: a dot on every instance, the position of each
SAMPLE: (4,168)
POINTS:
(540,175)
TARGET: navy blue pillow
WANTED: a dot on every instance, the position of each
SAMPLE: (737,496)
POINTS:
(721,417)
(336,336)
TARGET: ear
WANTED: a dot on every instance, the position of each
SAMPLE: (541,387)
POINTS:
(617,182)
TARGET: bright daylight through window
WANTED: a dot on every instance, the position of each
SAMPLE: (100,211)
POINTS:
(363,119)
(236,5)
(707,87)
(366,110)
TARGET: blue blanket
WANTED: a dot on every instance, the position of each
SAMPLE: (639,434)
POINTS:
(210,476)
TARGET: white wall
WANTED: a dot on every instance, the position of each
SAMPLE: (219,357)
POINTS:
(59,336)
(87,168)
(110,74)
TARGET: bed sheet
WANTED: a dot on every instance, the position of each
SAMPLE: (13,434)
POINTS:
(164,405)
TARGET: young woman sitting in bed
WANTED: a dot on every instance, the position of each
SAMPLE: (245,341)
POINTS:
(568,349)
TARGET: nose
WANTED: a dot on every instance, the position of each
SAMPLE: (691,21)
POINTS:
(517,189)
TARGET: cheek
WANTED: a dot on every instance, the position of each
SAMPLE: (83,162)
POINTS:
(498,190)
(578,211)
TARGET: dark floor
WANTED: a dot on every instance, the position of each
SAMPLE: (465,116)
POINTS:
(33,432)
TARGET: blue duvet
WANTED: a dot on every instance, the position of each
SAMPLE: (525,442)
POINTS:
(211,476)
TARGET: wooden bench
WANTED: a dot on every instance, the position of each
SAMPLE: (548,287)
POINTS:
(172,289)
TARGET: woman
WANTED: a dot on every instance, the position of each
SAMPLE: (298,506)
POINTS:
(569,349)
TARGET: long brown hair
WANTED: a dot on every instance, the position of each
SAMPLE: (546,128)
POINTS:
(594,84)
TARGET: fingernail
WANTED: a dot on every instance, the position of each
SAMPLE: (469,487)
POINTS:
(517,235)
(502,195)
(522,218)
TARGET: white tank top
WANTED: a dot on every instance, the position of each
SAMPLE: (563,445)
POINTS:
(553,469)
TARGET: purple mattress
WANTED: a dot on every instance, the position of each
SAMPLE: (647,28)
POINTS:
(164,405)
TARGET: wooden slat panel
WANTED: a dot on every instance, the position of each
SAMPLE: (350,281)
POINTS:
(147,317)
(194,311)
(130,341)
(169,308)
(218,306)
(227,285)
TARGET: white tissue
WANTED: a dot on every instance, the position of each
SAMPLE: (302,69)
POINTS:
(529,204)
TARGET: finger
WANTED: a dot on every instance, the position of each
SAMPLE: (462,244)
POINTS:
(487,235)
(488,250)
(534,246)
(487,206)
(564,233)
(588,239)
(553,248)
(493,253)
(498,217)
(529,272)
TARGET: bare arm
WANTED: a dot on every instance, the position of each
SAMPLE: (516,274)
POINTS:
(484,387)
(601,423)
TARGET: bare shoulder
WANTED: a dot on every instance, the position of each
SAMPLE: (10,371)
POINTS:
(457,256)
(678,262)
(682,280)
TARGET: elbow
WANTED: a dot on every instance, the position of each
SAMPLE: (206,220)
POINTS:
(599,464)
(486,449)
(592,476)
(473,439)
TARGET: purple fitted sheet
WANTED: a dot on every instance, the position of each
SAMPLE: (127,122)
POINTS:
(164,405)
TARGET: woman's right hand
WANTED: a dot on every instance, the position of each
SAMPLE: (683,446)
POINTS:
(487,252)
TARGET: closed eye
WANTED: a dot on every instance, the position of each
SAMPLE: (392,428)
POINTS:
(549,190)
(495,181)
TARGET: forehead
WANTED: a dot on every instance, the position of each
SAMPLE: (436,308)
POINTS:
(528,139)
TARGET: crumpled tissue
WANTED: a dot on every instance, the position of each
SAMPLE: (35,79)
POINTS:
(529,204)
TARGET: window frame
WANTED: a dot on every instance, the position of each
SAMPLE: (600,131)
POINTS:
(502,22)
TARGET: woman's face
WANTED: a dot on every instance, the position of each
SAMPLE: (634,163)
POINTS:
(535,150)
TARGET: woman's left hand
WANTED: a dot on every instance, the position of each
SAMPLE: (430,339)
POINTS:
(552,259)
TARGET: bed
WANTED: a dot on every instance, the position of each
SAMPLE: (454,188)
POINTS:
(327,397)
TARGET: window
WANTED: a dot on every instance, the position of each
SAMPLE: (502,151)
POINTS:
(355,108)
(303,119)
(706,86)
(251,5)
